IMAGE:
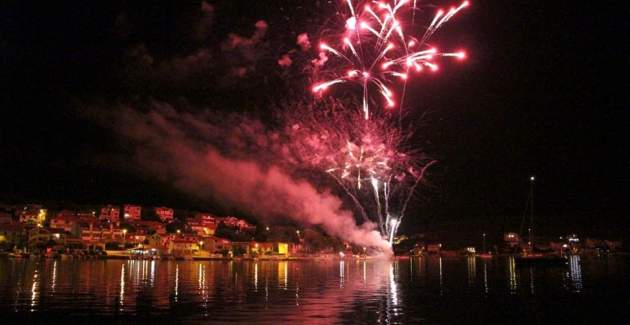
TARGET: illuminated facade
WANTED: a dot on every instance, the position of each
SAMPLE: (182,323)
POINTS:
(33,213)
(165,214)
(132,212)
(110,213)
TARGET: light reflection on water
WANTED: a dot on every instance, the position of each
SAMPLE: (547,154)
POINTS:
(323,291)
(574,274)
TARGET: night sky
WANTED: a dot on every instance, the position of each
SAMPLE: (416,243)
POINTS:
(541,93)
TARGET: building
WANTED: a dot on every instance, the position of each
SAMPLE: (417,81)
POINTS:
(203,224)
(434,248)
(64,219)
(148,227)
(262,248)
(181,246)
(234,222)
(512,239)
(87,215)
(110,213)
(33,213)
(206,217)
(5,217)
(103,234)
(12,233)
(132,212)
(39,236)
(165,214)
(215,245)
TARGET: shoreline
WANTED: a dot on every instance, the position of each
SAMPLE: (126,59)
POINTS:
(271,258)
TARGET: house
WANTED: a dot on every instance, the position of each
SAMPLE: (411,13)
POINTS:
(236,223)
(215,245)
(86,215)
(165,214)
(183,246)
(131,212)
(103,234)
(147,227)
(33,213)
(512,239)
(262,248)
(5,217)
(64,219)
(434,248)
(12,233)
(38,236)
(110,213)
(203,225)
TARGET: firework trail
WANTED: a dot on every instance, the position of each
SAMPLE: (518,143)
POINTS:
(368,158)
(371,163)
(375,52)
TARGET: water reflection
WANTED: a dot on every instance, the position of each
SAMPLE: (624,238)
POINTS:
(393,287)
(283,274)
(441,277)
(574,274)
(512,275)
(176,282)
(121,301)
(53,283)
(256,276)
(485,277)
(531,281)
(325,291)
(342,270)
(471,263)
(34,290)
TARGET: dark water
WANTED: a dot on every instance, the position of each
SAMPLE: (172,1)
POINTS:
(413,291)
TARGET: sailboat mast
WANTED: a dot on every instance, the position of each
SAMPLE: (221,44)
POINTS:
(532,179)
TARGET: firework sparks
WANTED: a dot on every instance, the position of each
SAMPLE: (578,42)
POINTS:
(362,149)
(375,52)
(368,162)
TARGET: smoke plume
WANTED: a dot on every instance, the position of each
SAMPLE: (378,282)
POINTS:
(192,153)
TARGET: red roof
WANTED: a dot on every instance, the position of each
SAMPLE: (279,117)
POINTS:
(184,241)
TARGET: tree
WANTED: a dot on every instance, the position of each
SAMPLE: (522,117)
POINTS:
(129,227)
(315,241)
(172,227)
(224,231)
(238,251)
(261,233)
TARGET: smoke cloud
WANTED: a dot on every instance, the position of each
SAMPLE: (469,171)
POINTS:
(285,61)
(193,153)
(304,42)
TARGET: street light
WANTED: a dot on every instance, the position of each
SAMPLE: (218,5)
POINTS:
(200,244)
(124,231)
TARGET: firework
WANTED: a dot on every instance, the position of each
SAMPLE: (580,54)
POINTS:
(370,162)
(367,158)
(375,52)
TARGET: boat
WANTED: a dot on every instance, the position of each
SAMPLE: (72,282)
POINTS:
(540,259)
(18,253)
(485,254)
(529,257)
